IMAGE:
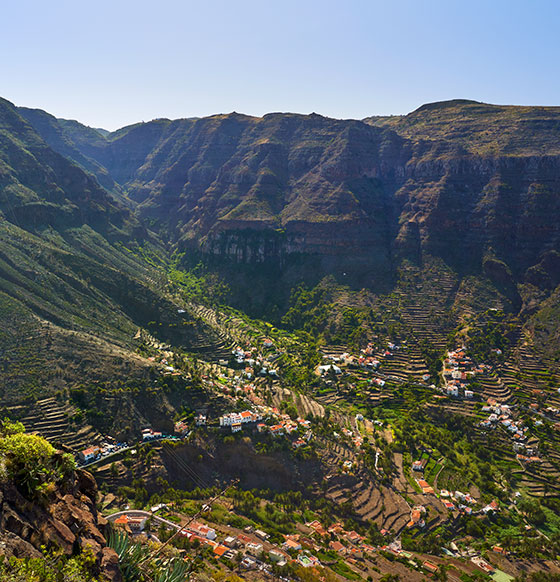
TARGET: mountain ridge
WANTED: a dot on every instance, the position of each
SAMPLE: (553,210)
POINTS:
(212,178)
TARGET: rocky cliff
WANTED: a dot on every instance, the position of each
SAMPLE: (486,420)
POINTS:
(460,180)
(64,522)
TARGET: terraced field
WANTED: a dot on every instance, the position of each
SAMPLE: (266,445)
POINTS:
(55,421)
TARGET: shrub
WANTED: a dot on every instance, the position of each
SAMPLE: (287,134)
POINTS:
(31,461)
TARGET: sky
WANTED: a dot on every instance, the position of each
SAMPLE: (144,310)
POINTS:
(112,63)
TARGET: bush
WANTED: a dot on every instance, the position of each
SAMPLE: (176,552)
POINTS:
(32,462)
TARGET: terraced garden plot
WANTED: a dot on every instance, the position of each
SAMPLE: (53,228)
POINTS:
(52,420)
(370,501)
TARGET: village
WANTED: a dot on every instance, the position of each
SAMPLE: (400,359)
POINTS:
(243,381)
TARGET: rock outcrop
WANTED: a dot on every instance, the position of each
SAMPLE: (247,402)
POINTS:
(67,521)
(457,180)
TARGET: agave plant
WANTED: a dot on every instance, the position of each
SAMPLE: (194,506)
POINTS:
(174,570)
(134,561)
(130,555)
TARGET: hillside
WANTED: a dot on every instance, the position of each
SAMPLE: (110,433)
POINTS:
(79,275)
(456,180)
(393,410)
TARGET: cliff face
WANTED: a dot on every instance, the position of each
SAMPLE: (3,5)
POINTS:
(67,522)
(459,180)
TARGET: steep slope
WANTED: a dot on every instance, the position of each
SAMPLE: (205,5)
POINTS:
(481,179)
(62,135)
(461,180)
(73,287)
(253,189)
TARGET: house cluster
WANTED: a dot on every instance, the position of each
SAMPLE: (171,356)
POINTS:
(285,425)
(458,371)
(464,502)
(277,423)
(253,547)
(500,415)
(236,420)
(349,544)
(417,514)
(253,362)
(368,358)
(357,439)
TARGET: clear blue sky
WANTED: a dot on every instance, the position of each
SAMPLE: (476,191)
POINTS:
(111,63)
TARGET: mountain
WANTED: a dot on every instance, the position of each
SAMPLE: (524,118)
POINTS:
(429,250)
(78,273)
(474,184)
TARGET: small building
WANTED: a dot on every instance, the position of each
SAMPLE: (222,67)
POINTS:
(337,547)
(203,530)
(354,537)
(308,561)
(220,550)
(149,435)
(181,428)
(452,391)
(248,562)
(430,566)
(254,548)
(89,454)
(290,544)
(328,367)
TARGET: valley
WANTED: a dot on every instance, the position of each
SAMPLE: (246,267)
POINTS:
(332,343)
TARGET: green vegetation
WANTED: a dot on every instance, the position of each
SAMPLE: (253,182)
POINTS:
(137,563)
(50,568)
(31,461)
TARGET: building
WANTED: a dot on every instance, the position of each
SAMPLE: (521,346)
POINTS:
(89,454)
(354,537)
(308,561)
(181,428)
(203,530)
(254,548)
(290,544)
(149,435)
